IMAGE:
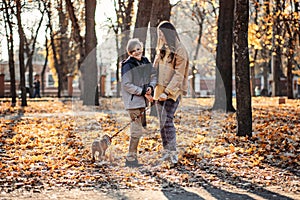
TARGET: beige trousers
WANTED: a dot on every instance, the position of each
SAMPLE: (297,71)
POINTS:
(136,131)
(136,126)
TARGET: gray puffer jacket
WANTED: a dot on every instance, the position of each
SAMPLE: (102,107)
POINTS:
(137,76)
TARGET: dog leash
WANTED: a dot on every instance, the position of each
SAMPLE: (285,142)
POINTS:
(120,130)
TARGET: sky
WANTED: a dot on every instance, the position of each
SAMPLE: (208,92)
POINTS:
(105,8)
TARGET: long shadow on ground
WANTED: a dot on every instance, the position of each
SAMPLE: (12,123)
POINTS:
(236,181)
(175,191)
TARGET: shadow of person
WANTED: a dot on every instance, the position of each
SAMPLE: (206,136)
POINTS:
(238,182)
(179,194)
(175,191)
(218,193)
(207,192)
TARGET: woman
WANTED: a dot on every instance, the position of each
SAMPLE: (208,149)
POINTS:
(138,82)
(172,64)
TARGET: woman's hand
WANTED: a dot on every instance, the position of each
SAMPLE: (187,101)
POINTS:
(163,97)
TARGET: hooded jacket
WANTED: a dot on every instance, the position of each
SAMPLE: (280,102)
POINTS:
(137,76)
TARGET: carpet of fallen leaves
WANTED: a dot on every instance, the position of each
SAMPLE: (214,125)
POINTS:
(47,145)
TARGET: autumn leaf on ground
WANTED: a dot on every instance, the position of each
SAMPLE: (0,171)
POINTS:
(49,146)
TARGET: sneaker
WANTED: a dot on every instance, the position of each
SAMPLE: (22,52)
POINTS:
(133,163)
(165,155)
(174,157)
(168,155)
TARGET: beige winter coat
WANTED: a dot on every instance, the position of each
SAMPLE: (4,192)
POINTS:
(172,76)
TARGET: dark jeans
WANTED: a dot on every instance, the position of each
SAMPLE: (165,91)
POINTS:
(165,111)
(36,93)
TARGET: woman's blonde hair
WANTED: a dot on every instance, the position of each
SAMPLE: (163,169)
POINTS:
(132,43)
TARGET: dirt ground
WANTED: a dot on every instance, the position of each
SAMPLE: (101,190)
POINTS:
(210,181)
(189,193)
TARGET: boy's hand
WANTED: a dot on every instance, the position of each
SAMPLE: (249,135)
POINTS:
(149,97)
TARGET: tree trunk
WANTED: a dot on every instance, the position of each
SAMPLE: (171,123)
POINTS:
(79,40)
(64,46)
(266,71)
(292,33)
(10,48)
(276,55)
(142,20)
(252,74)
(253,62)
(160,11)
(223,84)
(123,12)
(194,71)
(76,29)
(45,65)
(290,94)
(90,64)
(30,67)
(30,76)
(21,55)
(266,54)
(290,61)
(53,47)
(243,94)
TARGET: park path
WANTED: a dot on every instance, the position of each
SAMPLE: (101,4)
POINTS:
(206,189)
(188,193)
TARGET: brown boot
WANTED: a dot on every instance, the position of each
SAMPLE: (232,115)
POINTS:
(133,145)
(134,163)
(131,158)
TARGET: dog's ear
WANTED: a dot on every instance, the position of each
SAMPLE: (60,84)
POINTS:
(107,139)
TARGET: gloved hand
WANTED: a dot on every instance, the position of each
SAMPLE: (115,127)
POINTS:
(143,91)
(163,97)
(149,90)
